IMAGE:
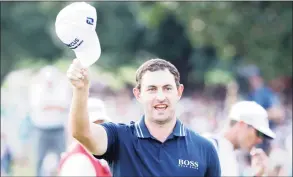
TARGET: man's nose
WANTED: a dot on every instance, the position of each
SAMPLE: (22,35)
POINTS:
(160,95)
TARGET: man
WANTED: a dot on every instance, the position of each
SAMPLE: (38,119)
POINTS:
(50,101)
(157,145)
(265,97)
(77,161)
(248,126)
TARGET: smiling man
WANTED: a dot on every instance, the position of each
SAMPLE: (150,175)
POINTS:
(159,144)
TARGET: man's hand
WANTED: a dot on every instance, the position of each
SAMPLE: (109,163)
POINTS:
(78,75)
(259,162)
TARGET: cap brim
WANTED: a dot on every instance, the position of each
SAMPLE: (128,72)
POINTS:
(90,50)
(267,132)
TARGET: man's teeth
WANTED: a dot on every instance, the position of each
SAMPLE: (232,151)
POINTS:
(161,107)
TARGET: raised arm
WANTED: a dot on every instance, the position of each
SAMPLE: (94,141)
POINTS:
(90,135)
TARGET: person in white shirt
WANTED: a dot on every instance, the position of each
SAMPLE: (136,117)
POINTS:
(247,126)
(50,98)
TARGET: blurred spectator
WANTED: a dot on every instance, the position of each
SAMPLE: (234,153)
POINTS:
(242,132)
(124,106)
(6,154)
(77,161)
(264,96)
(50,99)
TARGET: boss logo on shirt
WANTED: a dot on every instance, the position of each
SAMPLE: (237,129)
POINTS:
(187,163)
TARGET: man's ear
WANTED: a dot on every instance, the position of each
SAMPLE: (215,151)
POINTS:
(180,90)
(136,93)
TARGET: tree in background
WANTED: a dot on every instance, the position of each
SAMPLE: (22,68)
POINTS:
(196,36)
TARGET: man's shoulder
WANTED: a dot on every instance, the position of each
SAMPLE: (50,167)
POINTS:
(199,139)
(120,127)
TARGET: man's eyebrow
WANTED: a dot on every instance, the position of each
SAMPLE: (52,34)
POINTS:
(151,86)
(167,85)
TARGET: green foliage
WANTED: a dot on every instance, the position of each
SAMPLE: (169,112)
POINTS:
(196,36)
(261,32)
(217,76)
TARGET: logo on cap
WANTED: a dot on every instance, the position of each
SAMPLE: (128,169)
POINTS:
(74,44)
(89,20)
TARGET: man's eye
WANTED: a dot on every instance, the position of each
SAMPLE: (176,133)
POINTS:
(151,89)
(169,88)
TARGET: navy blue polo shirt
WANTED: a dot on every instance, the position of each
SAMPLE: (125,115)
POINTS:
(133,151)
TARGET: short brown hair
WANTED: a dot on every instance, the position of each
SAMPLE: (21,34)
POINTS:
(156,65)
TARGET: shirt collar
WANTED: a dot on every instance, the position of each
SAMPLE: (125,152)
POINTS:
(142,131)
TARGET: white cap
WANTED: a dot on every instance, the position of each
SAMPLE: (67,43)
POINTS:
(76,27)
(96,110)
(252,114)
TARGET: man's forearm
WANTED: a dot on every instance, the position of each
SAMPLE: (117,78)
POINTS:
(79,121)
(57,108)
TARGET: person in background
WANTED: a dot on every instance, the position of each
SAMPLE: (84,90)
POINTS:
(265,97)
(50,101)
(77,161)
(9,156)
(6,153)
(247,126)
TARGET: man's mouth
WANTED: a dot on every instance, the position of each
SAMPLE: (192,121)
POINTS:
(161,107)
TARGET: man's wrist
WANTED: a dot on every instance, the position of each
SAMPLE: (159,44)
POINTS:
(81,90)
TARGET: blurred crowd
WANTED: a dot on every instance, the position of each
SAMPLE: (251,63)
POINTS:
(35,107)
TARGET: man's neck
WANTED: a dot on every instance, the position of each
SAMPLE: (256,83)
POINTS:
(160,131)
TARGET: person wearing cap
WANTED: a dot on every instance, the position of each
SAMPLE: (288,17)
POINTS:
(157,145)
(265,97)
(77,161)
(247,126)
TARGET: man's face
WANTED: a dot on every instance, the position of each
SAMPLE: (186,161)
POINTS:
(249,137)
(159,95)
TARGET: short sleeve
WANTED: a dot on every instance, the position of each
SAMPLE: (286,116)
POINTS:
(214,168)
(113,142)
